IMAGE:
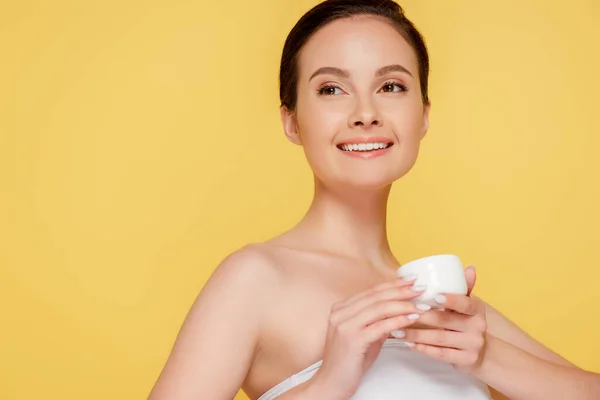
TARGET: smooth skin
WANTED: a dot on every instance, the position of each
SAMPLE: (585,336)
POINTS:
(326,289)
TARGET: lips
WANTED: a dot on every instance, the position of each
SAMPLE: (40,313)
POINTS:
(366,148)
(365,144)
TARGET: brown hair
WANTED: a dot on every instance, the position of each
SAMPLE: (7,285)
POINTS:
(331,10)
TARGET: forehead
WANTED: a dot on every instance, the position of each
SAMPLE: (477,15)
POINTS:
(360,43)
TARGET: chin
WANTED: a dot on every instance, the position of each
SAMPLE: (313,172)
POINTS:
(363,175)
(362,182)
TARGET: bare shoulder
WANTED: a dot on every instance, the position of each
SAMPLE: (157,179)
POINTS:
(216,344)
(240,286)
(249,268)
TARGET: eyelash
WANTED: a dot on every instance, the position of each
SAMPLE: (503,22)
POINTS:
(402,86)
(322,89)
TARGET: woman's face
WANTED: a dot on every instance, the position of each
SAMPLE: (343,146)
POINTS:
(359,115)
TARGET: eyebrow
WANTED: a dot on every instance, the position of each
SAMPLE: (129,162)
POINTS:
(345,74)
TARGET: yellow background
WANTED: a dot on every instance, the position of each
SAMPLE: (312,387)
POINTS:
(140,144)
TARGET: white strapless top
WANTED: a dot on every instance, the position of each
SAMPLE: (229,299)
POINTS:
(399,373)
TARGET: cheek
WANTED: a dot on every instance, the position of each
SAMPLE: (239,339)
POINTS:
(319,127)
(406,121)
(320,123)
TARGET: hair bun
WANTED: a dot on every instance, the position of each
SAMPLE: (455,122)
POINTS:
(389,6)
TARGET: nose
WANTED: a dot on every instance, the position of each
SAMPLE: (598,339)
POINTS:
(365,115)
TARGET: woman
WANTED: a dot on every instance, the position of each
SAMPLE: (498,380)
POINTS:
(317,312)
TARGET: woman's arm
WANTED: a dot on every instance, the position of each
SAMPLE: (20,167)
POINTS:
(530,372)
(501,327)
(520,375)
(214,348)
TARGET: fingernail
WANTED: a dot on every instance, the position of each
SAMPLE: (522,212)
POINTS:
(398,334)
(412,316)
(423,307)
(409,278)
(440,298)
(418,288)
(409,344)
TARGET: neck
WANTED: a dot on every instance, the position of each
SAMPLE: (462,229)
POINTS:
(350,223)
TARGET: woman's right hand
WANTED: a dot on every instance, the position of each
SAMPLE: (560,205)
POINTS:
(358,327)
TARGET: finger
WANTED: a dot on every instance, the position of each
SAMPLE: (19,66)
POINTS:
(391,295)
(471,277)
(380,330)
(459,303)
(396,283)
(382,310)
(446,320)
(447,354)
(443,338)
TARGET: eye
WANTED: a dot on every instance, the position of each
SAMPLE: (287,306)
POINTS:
(329,90)
(393,87)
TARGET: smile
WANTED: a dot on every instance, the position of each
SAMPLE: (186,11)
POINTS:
(364,147)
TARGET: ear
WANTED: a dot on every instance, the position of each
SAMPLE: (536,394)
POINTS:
(471,277)
(425,128)
(290,126)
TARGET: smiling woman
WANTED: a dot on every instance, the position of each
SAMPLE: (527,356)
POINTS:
(143,142)
(354,95)
(355,67)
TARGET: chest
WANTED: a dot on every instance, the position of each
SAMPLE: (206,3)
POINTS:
(295,330)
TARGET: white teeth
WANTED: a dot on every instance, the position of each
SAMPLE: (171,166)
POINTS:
(364,146)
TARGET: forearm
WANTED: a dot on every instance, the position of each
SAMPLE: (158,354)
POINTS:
(522,376)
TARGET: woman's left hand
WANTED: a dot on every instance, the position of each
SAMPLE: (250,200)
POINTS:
(459,331)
